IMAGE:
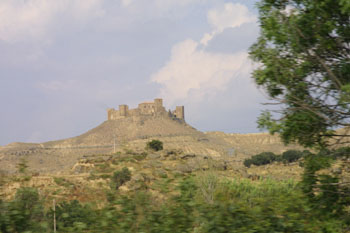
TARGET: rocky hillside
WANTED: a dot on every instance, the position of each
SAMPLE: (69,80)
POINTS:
(132,134)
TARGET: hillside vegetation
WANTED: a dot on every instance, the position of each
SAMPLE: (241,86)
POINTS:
(162,191)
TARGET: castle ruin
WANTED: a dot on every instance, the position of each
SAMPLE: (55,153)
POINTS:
(146,109)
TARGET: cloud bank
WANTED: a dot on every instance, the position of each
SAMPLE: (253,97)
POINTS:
(193,69)
(20,20)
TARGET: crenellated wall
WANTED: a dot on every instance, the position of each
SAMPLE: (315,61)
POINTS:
(154,108)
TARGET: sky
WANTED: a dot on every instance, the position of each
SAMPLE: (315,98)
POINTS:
(63,63)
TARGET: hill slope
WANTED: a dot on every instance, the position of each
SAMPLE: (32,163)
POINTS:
(132,134)
(127,129)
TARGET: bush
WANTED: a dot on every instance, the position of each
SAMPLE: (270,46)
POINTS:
(260,159)
(22,166)
(72,216)
(62,182)
(155,145)
(247,162)
(141,156)
(290,156)
(121,177)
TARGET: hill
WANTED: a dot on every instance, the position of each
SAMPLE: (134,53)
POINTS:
(132,134)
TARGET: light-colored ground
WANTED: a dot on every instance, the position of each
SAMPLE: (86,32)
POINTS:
(57,157)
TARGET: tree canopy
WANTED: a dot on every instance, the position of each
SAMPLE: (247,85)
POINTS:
(303,56)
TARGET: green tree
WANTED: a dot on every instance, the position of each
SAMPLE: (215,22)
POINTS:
(303,53)
(304,56)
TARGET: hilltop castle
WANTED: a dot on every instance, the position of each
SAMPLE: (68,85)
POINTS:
(145,109)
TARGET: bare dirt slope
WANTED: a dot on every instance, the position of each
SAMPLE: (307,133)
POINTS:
(132,134)
(61,155)
(253,143)
(128,129)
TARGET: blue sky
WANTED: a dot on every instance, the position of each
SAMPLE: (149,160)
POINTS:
(63,63)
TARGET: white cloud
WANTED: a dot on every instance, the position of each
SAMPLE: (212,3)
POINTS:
(194,72)
(229,15)
(193,69)
(20,20)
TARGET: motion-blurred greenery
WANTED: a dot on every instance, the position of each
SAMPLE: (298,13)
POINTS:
(236,205)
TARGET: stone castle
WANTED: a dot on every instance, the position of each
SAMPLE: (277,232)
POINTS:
(146,109)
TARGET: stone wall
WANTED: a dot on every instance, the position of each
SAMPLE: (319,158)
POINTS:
(180,112)
(154,108)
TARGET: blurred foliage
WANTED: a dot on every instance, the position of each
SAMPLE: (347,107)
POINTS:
(238,205)
(325,191)
(24,214)
(72,216)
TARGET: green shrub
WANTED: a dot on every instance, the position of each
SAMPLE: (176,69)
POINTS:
(269,157)
(120,177)
(260,159)
(290,156)
(62,182)
(155,145)
(141,156)
(129,152)
(247,162)
(105,176)
(22,166)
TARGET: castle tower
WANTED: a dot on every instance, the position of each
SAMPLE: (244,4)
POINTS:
(180,112)
(110,113)
(158,106)
(158,103)
(123,110)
